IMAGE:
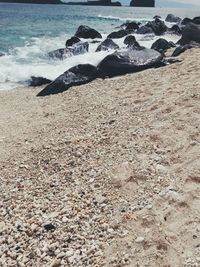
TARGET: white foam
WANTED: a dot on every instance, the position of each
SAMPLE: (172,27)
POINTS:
(31,60)
(110,17)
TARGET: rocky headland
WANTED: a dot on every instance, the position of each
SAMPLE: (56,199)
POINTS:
(142,3)
(33,1)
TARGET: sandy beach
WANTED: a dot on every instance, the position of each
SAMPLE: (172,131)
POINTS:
(104,174)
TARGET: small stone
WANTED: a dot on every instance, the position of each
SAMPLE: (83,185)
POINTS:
(69,253)
(2,226)
(49,227)
(161,169)
(56,263)
(100,199)
(139,239)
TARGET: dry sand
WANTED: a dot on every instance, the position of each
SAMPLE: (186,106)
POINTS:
(105,174)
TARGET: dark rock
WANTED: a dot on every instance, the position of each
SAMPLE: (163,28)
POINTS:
(106,45)
(175,29)
(38,81)
(142,3)
(80,74)
(172,18)
(95,42)
(87,32)
(157,17)
(179,50)
(2,54)
(131,26)
(168,61)
(76,49)
(158,26)
(118,34)
(73,40)
(144,30)
(186,21)
(190,32)
(131,60)
(34,1)
(49,227)
(131,41)
(196,20)
(161,45)
(95,3)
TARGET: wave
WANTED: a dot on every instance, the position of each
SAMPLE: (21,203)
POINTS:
(110,17)
(30,60)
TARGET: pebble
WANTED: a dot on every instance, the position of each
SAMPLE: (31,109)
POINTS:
(139,239)
(55,263)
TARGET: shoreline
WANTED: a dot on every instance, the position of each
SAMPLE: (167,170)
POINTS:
(105,173)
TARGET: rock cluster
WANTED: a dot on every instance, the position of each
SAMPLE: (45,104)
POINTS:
(131,58)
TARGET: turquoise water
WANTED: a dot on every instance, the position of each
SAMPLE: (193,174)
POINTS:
(28,32)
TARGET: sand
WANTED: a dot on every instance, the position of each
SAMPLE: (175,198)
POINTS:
(104,174)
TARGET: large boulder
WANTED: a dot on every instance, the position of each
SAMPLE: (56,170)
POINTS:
(130,26)
(175,29)
(2,54)
(161,45)
(144,30)
(76,49)
(158,26)
(191,32)
(196,20)
(73,40)
(106,45)
(80,74)
(186,21)
(118,34)
(130,60)
(38,81)
(131,41)
(157,17)
(87,33)
(172,18)
(180,49)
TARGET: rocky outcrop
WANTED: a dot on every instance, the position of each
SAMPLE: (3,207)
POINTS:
(144,30)
(130,26)
(76,49)
(186,20)
(143,3)
(87,33)
(179,50)
(118,34)
(191,32)
(161,45)
(73,40)
(196,20)
(130,60)
(106,45)
(175,29)
(172,18)
(38,81)
(158,26)
(33,1)
(95,3)
(80,74)
(130,41)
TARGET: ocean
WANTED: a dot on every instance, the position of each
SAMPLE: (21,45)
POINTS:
(28,32)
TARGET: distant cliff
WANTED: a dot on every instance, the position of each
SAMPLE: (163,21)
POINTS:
(33,1)
(96,3)
(143,3)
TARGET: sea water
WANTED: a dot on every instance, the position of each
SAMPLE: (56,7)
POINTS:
(28,32)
